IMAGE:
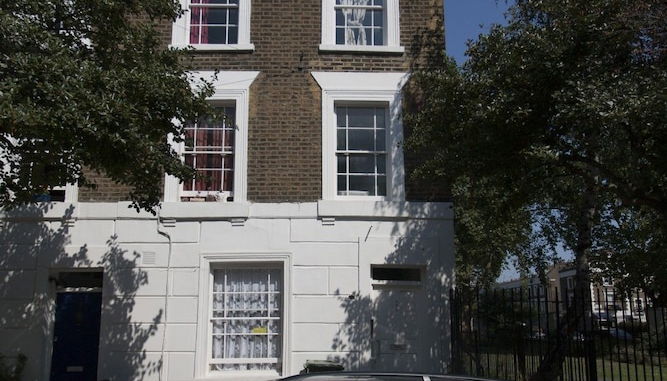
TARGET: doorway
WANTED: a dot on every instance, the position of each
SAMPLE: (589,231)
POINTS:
(76,332)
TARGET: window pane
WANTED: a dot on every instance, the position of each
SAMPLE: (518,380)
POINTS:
(209,138)
(342,144)
(228,185)
(233,35)
(229,161)
(378,18)
(361,117)
(382,164)
(342,184)
(380,140)
(341,118)
(214,16)
(340,18)
(340,36)
(234,16)
(361,140)
(194,35)
(367,18)
(229,140)
(195,16)
(362,164)
(362,185)
(342,164)
(379,117)
(208,181)
(209,161)
(189,139)
(382,186)
(214,35)
(378,37)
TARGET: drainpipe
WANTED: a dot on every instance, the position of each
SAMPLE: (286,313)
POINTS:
(166,292)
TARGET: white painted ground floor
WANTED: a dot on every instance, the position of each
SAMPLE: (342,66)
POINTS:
(224,290)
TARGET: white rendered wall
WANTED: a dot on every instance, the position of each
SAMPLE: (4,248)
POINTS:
(330,247)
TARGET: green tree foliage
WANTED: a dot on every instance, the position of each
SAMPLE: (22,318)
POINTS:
(88,85)
(554,132)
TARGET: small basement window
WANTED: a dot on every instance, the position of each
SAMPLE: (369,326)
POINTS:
(396,276)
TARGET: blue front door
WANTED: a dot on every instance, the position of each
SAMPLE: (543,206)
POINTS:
(76,336)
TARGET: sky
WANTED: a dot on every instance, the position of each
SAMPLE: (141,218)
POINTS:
(466,19)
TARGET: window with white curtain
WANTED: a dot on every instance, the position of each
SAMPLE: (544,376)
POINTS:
(361,25)
(246,319)
(360,22)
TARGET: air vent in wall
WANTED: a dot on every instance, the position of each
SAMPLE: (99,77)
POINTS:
(148,258)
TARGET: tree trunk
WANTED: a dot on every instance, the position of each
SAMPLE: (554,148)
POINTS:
(551,366)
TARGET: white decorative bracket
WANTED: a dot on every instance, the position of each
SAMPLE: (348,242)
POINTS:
(168,222)
(328,221)
(238,221)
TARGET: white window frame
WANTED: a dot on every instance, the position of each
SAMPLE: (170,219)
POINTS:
(392,40)
(180,31)
(362,87)
(230,87)
(208,263)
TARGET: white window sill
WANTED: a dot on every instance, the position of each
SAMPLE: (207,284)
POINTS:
(384,209)
(362,48)
(217,47)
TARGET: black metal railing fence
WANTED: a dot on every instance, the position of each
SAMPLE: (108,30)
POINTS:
(507,334)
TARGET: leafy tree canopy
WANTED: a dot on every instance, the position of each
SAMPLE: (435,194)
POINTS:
(88,85)
(554,132)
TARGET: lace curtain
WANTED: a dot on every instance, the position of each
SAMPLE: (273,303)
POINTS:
(355,34)
(246,319)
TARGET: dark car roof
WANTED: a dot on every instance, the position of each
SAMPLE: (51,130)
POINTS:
(342,375)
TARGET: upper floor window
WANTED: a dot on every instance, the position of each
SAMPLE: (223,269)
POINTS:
(361,25)
(209,149)
(361,153)
(214,22)
(213,25)
(362,135)
(216,146)
(360,22)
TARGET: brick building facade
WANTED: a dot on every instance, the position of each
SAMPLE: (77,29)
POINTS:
(284,129)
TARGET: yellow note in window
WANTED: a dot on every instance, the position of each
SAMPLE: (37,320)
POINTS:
(260,330)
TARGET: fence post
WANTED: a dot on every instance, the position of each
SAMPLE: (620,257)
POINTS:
(589,336)
(454,332)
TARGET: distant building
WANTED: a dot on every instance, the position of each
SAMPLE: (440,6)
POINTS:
(557,291)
